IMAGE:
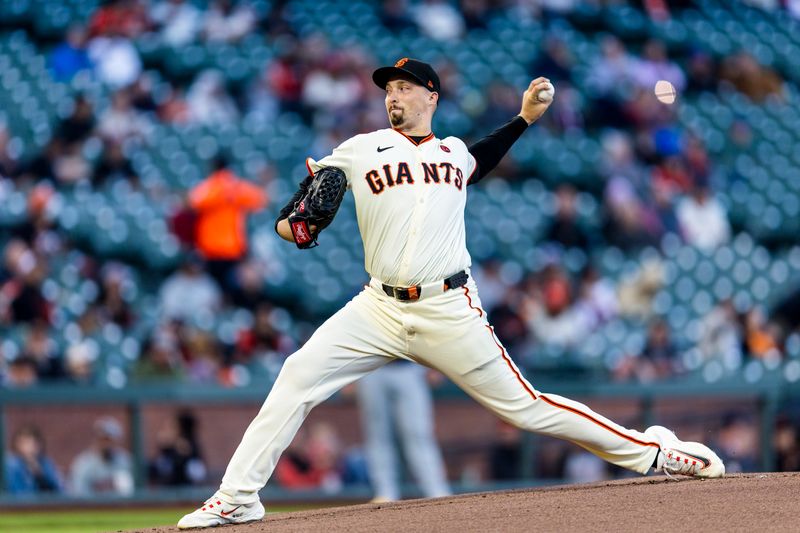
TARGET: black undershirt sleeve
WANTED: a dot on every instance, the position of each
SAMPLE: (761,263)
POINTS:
(287,209)
(490,150)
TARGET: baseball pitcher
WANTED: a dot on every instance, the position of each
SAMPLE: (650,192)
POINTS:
(421,303)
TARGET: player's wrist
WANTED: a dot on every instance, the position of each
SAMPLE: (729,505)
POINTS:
(284,230)
(527,118)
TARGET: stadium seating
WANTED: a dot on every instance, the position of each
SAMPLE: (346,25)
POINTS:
(759,187)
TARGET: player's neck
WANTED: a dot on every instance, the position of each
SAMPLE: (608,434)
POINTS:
(415,130)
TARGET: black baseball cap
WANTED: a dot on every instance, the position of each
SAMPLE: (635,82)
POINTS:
(417,70)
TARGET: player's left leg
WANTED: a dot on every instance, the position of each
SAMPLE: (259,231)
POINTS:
(501,387)
(456,338)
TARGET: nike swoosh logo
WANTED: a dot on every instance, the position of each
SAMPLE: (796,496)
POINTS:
(384,149)
(706,462)
(223,513)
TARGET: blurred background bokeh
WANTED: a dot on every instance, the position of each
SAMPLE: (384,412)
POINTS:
(642,257)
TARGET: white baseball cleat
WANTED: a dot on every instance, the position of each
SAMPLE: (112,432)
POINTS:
(216,512)
(684,458)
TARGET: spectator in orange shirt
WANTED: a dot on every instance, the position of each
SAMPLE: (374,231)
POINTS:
(222,202)
(761,336)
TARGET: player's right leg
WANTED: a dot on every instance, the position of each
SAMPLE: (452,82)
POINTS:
(356,340)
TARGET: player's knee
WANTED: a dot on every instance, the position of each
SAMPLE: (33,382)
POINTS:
(525,423)
(295,374)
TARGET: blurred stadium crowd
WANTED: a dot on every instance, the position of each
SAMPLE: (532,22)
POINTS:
(318,460)
(622,238)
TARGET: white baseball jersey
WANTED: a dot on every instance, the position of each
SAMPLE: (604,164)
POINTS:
(410,201)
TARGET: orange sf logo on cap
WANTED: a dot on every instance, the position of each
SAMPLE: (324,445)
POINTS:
(401,62)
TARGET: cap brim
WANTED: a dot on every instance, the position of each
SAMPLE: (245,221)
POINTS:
(382,76)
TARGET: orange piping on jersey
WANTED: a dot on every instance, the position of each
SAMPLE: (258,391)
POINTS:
(308,167)
(545,398)
(510,364)
(502,350)
(599,423)
(469,302)
(426,139)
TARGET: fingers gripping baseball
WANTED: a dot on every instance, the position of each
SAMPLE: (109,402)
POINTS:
(536,99)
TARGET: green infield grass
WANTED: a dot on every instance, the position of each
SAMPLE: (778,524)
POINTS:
(96,520)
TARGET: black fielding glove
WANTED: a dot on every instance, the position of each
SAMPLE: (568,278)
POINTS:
(318,207)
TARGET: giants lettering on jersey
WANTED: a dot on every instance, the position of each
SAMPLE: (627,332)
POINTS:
(388,176)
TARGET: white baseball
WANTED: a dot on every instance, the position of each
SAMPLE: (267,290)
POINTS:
(546,95)
(665,92)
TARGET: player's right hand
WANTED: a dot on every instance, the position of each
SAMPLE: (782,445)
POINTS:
(532,108)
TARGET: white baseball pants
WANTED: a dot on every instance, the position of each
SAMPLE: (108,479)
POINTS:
(447,331)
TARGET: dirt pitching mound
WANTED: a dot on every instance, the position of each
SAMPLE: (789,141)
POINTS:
(744,502)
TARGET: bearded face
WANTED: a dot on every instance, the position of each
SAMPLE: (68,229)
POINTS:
(407,103)
(396,117)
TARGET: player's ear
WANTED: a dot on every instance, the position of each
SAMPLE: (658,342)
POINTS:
(433,98)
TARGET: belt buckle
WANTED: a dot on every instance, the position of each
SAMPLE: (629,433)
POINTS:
(406,294)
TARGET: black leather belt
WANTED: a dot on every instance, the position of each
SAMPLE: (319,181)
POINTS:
(406,294)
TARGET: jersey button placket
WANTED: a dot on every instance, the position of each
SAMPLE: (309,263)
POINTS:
(416,219)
